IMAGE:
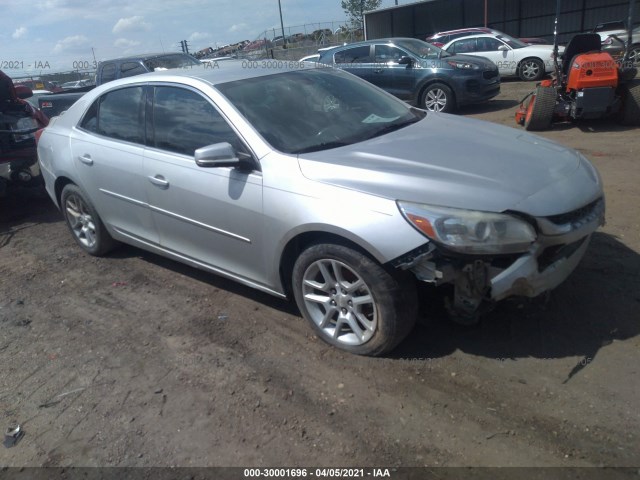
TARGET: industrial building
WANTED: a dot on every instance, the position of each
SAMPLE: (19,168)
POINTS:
(520,18)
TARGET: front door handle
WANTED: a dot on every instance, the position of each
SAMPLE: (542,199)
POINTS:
(159,180)
(86,159)
(378,70)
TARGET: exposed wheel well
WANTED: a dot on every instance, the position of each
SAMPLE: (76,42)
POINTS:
(61,182)
(299,243)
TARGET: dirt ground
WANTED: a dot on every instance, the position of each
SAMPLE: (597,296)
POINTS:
(135,360)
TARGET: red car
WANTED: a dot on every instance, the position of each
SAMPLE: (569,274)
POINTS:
(440,39)
(18,123)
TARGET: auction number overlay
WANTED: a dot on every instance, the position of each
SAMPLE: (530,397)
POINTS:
(317,473)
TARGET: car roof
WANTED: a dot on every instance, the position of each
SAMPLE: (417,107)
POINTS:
(227,71)
(375,41)
(143,56)
(459,30)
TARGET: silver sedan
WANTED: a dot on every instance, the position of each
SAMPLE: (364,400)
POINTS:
(313,184)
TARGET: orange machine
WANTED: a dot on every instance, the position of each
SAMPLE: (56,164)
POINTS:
(587,84)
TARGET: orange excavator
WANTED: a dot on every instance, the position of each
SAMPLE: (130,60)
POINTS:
(588,84)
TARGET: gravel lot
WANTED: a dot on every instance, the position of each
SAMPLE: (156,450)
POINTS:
(135,360)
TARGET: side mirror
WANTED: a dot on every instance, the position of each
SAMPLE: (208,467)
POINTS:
(405,61)
(22,91)
(218,155)
(503,48)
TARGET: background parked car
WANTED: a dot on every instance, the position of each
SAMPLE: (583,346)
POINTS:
(39,85)
(614,42)
(114,69)
(440,39)
(512,56)
(311,58)
(18,123)
(418,72)
(605,29)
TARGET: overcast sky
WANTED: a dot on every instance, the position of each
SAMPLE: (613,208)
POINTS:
(58,35)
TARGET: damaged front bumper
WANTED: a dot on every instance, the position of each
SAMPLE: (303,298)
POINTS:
(562,242)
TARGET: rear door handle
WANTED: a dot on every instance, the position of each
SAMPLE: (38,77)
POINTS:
(378,70)
(159,180)
(86,159)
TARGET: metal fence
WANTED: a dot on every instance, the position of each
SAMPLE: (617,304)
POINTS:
(299,41)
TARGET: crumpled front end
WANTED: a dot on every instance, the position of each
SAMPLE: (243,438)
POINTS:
(562,241)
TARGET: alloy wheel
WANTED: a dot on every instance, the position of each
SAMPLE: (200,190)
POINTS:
(530,70)
(339,302)
(435,100)
(80,221)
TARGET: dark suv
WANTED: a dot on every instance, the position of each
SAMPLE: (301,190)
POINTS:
(418,72)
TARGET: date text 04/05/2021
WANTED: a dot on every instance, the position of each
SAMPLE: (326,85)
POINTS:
(318,472)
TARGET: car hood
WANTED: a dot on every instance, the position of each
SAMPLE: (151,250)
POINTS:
(463,163)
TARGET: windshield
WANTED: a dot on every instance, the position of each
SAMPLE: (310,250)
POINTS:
(177,60)
(421,49)
(316,109)
(512,42)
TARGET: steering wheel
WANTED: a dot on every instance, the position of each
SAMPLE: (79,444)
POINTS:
(331,104)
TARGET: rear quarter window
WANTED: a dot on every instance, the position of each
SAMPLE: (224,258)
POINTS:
(354,55)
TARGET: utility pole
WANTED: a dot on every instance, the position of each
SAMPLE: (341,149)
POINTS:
(486,11)
(284,39)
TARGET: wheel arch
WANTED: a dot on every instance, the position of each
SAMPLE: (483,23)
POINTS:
(426,83)
(61,182)
(304,239)
(533,57)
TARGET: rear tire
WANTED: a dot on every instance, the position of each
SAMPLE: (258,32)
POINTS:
(351,301)
(84,222)
(630,114)
(540,109)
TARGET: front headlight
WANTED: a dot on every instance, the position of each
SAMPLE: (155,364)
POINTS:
(463,65)
(470,231)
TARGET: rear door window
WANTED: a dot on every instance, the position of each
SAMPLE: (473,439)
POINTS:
(120,115)
(388,53)
(467,45)
(488,44)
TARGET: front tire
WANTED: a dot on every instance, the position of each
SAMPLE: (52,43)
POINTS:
(437,97)
(84,223)
(540,109)
(351,301)
(531,69)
